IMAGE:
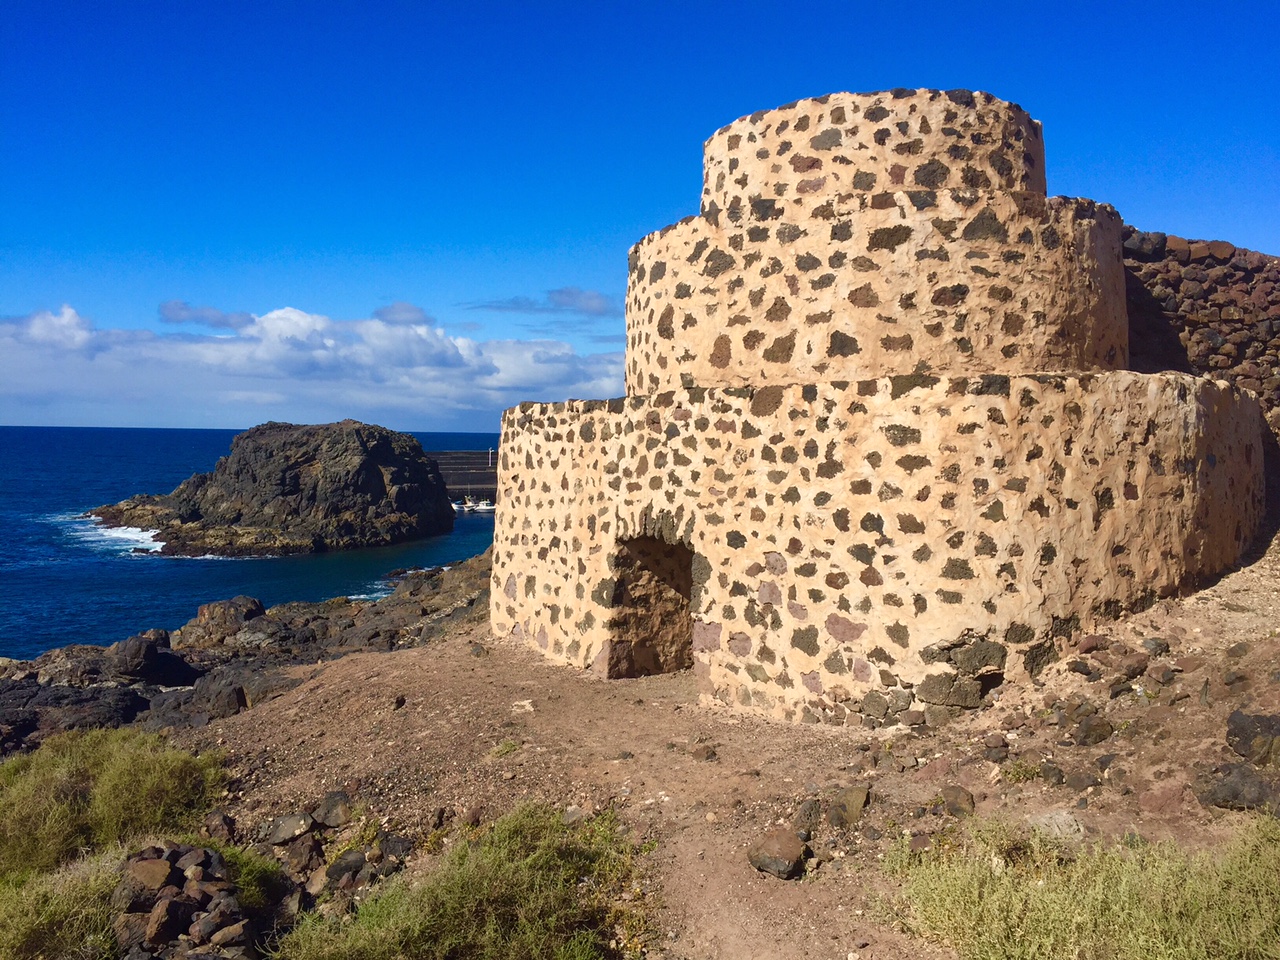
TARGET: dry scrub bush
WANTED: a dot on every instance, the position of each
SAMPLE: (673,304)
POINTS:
(87,791)
(530,887)
(1005,895)
(64,915)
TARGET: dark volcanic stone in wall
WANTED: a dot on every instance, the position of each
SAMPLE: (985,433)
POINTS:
(299,489)
(1204,307)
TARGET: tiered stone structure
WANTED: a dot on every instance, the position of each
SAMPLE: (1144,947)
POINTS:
(879,451)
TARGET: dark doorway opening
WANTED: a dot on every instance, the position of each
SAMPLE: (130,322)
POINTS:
(652,622)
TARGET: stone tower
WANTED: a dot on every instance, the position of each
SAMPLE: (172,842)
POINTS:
(879,449)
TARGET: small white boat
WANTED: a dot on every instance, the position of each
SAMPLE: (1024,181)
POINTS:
(463,506)
(484,506)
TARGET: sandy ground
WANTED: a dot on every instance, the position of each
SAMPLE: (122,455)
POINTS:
(485,724)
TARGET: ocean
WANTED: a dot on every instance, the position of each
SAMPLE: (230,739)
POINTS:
(64,579)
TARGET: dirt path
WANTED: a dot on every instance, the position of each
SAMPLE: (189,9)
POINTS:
(485,724)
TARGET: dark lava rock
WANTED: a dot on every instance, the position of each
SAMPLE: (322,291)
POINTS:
(957,801)
(847,806)
(1093,730)
(1082,781)
(1255,737)
(219,825)
(298,489)
(334,810)
(220,696)
(288,827)
(146,658)
(1238,786)
(1052,774)
(394,846)
(1155,646)
(347,865)
(780,853)
(168,919)
(59,708)
(808,815)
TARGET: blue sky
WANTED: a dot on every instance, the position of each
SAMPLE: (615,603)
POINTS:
(418,213)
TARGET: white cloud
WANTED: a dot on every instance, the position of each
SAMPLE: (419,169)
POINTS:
(398,367)
(65,329)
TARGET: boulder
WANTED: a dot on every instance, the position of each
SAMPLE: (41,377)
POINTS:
(1238,786)
(1255,737)
(957,801)
(780,853)
(334,810)
(287,489)
(146,658)
(847,806)
(289,827)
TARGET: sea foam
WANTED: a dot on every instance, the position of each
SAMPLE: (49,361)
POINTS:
(92,533)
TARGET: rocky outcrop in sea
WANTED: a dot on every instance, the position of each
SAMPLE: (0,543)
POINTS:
(287,489)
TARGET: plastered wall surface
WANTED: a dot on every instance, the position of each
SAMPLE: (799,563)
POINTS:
(892,525)
(896,472)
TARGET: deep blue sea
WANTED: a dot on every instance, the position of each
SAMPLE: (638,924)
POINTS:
(65,580)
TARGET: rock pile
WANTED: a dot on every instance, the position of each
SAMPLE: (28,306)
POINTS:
(822,830)
(1250,785)
(287,489)
(1207,307)
(176,900)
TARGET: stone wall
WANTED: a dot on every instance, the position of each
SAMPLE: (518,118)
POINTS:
(1207,307)
(879,453)
(849,538)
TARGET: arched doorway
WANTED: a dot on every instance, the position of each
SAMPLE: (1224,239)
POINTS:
(651,624)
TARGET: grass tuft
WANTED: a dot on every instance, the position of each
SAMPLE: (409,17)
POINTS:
(1014,896)
(261,881)
(87,791)
(530,887)
(63,915)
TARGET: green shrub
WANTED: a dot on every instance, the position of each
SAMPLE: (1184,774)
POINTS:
(86,791)
(64,915)
(528,888)
(261,881)
(1002,894)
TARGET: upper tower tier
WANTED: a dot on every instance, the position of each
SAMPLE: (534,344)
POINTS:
(862,235)
(832,149)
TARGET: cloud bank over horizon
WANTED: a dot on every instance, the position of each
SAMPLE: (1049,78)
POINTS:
(398,367)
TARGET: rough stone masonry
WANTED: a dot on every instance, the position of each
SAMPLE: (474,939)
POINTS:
(879,450)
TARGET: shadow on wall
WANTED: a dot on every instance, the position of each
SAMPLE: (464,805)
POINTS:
(1210,308)
(1154,346)
(651,625)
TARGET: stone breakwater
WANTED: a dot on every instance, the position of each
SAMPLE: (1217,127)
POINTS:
(880,450)
(1206,307)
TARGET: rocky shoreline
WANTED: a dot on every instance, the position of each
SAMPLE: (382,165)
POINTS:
(287,489)
(174,899)
(232,654)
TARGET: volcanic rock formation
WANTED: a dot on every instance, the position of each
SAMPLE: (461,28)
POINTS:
(287,489)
